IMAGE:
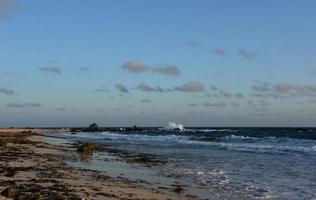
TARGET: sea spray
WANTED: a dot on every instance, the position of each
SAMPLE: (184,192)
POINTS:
(175,126)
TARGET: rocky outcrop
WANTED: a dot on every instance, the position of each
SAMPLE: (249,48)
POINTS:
(93,127)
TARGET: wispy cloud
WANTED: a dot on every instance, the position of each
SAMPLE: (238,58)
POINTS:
(213,87)
(8,73)
(219,52)
(313,101)
(102,89)
(62,109)
(235,104)
(135,66)
(239,95)
(52,69)
(313,72)
(214,104)
(282,90)
(83,69)
(191,86)
(24,105)
(121,88)
(8,92)
(146,101)
(302,90)
(225,94)
(193,44)
(246,54)
(257,103)
(166,70)
(7,7)
(147,88)
(263,87)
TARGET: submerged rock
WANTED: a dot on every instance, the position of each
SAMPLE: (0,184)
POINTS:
(87,148)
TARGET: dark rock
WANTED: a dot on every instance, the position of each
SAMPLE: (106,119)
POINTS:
(93,127)
(73,130)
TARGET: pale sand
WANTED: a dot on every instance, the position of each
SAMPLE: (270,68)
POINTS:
(33,167)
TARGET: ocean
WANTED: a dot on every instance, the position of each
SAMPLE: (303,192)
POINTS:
(212,163)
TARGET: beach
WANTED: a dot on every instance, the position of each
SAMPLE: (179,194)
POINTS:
(157,163)
(32,168)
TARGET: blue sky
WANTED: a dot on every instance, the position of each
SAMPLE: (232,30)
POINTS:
(120,63)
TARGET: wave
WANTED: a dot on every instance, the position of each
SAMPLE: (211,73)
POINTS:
(210,130)
(230,142)
(140,138)
(265,145)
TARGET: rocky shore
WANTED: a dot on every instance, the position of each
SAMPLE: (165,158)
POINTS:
(32,168)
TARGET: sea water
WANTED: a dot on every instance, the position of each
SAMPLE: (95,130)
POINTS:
(224,163)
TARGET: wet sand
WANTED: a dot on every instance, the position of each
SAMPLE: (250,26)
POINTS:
(32,168)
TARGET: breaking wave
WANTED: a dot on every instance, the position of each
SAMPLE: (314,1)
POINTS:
(228,142)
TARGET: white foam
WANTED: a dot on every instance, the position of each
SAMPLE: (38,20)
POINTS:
(232,142)
(174,125)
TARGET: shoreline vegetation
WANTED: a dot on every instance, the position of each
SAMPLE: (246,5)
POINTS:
(33,168)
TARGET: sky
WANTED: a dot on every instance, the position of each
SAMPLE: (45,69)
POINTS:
(125,62)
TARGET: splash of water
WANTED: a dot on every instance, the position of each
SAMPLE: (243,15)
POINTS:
(174,125)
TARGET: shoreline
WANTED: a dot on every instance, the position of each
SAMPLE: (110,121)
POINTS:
(32,168)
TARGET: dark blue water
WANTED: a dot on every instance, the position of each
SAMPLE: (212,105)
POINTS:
(235,163)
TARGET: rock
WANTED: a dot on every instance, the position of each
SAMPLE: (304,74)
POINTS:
(93,127)
(74,130)
(87,148)
(9,192)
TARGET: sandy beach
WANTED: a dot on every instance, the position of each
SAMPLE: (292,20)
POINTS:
(32,168)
